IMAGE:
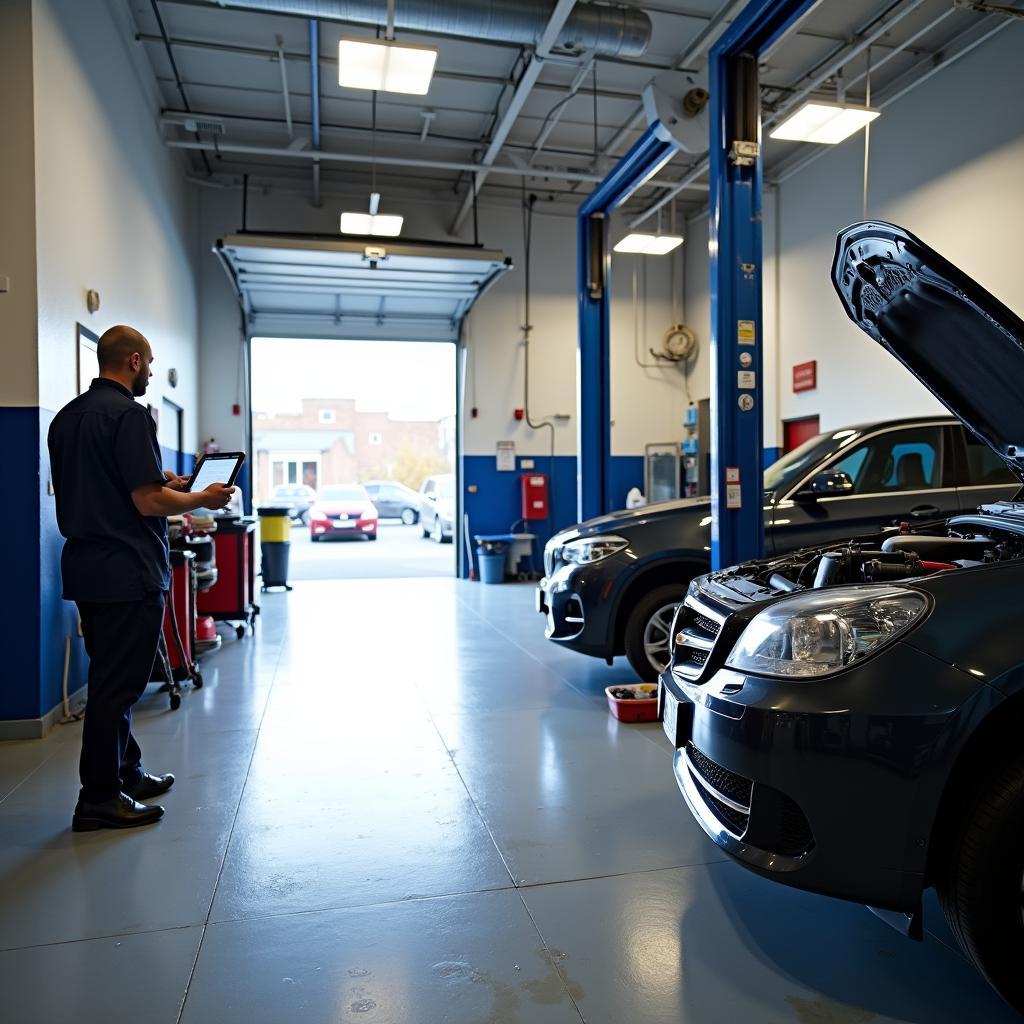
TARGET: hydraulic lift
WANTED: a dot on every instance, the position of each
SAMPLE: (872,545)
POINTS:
(733,142)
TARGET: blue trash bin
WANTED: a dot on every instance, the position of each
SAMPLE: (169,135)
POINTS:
(492,566)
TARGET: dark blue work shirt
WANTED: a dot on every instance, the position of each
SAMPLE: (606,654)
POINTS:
(102,446)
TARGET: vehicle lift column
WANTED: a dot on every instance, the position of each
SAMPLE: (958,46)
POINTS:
(734,240)
(669,130)
(736,167)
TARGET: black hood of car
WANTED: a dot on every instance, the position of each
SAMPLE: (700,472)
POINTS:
(626,519)
(960,341)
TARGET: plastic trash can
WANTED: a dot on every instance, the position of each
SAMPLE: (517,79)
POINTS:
(492,565)
(275,544)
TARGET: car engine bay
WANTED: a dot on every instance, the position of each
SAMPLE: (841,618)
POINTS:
(995,533)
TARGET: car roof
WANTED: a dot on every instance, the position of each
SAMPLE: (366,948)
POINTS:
(906,421)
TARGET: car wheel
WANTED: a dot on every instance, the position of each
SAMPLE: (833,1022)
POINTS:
(409,516)
(371,536)
(648,638)
(982,887)
(315,539)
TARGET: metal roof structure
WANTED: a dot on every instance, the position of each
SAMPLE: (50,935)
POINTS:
(535,111)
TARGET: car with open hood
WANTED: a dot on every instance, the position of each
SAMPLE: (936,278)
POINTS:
(846,718)
(611,585)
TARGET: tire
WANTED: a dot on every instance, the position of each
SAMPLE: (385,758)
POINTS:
(371,536)
(175,701)
(197,680)
(409,516)
(315,539)
(423,527)
(648,633)
(980,886)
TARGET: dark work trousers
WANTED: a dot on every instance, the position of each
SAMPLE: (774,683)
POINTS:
(121,640)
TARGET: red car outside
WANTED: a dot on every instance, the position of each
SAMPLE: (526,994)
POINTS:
(343,512)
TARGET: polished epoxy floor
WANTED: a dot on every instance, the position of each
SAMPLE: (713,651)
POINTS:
(398,804)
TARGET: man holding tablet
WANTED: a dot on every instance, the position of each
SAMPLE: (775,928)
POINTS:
(113,498)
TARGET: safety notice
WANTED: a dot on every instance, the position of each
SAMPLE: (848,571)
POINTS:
(746,332)
(746,379)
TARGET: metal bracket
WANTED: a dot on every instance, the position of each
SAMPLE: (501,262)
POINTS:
(744,154)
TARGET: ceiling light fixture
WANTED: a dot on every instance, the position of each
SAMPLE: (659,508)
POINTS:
(827,123)
(649,245)
(372,223)
(385,66)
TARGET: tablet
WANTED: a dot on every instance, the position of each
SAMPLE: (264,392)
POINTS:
(220,468)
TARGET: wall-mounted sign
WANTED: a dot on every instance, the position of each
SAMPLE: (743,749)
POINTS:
(805,376)
(506,457)
(746,332)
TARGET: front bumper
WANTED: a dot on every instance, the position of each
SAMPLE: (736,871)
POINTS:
(575,602)
(815,784)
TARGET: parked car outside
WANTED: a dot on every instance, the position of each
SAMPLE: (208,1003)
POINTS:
(611,584)
(394,500)
(299,497)
(846,719)
(437,507)
(343,512)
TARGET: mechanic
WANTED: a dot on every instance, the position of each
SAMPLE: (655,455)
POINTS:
(112,498)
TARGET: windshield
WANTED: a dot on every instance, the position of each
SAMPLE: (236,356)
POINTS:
(344,494)
(781,475)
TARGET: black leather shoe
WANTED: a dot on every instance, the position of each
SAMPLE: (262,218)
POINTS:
(150,786)
(120,812)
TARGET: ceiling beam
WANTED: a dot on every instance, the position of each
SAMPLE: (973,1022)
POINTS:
(556,22)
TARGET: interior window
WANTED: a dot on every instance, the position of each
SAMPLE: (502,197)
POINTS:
(984,467)
(900,460)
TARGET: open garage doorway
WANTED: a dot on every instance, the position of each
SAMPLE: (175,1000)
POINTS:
(359,438)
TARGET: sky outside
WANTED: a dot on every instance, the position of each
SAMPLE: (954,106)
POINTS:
(410,380)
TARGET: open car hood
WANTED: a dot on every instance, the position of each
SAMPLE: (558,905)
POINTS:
(958,340)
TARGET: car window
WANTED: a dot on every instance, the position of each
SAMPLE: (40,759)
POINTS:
(984,467)
(801,460)
(343,494)
(898,460)
(428,486)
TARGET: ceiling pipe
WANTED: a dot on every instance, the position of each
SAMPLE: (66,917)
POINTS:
(616,31)
(552,31)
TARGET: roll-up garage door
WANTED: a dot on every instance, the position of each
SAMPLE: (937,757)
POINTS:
(292,286)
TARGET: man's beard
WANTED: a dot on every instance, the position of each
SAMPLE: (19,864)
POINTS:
(140,384)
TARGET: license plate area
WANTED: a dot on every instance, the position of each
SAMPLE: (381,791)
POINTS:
(676,718)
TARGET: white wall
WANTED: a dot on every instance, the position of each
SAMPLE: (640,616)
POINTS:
(113,210)
(18,362)
(648,405)
(946,164)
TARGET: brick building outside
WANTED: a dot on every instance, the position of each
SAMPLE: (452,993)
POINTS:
(332,442)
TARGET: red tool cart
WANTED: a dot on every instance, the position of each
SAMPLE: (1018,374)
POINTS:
(230,599)
(174,663)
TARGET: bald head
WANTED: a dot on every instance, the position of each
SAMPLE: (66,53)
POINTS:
(125,355)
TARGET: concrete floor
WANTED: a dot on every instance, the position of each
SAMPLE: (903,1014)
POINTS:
(399,551)
(398,804)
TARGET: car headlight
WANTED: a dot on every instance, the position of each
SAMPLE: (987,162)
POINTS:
(592,549)
(824,631)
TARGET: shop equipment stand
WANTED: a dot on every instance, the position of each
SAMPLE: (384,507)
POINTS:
(174,651)
(230,599)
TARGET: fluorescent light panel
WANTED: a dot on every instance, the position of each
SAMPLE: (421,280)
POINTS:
(371,224)
(649,245)
(826,123)
(385,66)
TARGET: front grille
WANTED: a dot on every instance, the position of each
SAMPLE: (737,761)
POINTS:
(735,821)
(697,628)
(735,787)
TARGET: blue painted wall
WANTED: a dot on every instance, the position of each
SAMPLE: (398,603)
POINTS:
(495,505)
(771,455)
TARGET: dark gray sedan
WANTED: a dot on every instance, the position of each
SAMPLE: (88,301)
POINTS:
(611,584)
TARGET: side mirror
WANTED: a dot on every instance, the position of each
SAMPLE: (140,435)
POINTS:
(825,484)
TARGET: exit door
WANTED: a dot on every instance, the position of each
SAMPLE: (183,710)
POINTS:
(795,432)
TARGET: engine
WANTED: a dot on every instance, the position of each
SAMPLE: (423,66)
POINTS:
(901,556)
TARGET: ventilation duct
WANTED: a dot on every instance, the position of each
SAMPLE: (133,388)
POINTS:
(605,30)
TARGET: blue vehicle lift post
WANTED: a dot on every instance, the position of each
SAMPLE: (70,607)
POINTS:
(594,438)
(736,165)
(736,320)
